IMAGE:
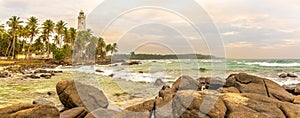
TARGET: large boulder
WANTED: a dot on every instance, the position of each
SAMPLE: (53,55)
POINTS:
(102,113)
(78,112)
(29,111)
(210,83)
(256,105)
(195,104)
(81,95)
(185,83)
(251,84)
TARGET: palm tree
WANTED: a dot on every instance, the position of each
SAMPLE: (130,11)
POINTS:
(73,33)
(59,29)
(114,48)
(32,25)
(56,40)
(15,24)
(108,48)
(48,28)
(100,50)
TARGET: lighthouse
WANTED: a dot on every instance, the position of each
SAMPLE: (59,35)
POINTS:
(81,21)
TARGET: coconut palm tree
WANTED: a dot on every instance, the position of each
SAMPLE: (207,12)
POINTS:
(114,48)
(56,40)
(59,29)
(73,33)
(32,25)
(48,28)
(108,48)
(15,24)
(100,50)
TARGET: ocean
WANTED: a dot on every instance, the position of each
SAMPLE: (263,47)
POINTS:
(169,70)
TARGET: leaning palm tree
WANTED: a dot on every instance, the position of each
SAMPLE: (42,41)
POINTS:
(48,28)
(56,40)
(59,29)
(15,24)
(114,48)
(32,25)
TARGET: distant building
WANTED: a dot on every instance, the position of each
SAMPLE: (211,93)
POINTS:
(81,21)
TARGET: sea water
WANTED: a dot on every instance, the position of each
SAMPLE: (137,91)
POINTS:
(169,70)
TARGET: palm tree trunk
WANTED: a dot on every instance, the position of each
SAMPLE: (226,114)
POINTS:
(13,47)
(9,45)
(28,51)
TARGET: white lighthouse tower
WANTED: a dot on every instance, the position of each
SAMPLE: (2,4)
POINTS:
(81,21)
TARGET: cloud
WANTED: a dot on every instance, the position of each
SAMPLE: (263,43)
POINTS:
(230,33)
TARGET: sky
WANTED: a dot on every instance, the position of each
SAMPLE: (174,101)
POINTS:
(231,28)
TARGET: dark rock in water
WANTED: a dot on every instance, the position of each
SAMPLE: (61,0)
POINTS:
(4,74)
(293,75)
(159,82)
(99,71)
(56,71)
(283,75)
(102,113)
(111,75)
(251,84)
(78,112)
(90,97)
(41,71)
(33,76)
(185,83)
(29,111)
(46,75)
(140,71)
(131,63)
(43,101)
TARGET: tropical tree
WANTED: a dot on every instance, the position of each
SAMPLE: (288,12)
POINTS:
(72,37)
(114,48)
(59,29)
(108,48)
(100,50)
(48,28)
(15,24)
(32,25)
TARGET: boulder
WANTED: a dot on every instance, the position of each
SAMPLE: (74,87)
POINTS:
(4,74)
(43,101)
(283,75)
(78,112)
(297,89)
(99,71)
(46,75)
(159,82)
(166,92)
(257,105)
(229,90)
(204,82)
(102,113)
(29,111)
(32,76)
(290,88)
(293,75)
(297,100)
(251,84)
(81,95)
(185,83)
(196,104)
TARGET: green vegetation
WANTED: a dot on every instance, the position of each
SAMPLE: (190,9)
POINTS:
(31,37)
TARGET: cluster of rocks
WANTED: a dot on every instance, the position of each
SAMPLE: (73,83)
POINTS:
(285,75)
(5,74)
(240,95)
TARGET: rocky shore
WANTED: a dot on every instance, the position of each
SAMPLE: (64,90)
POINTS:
(240,95)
